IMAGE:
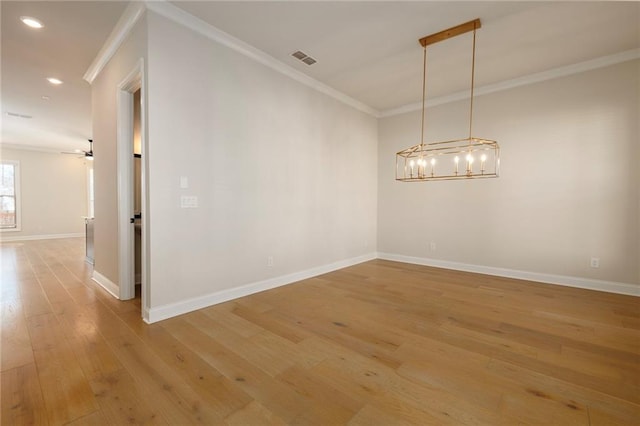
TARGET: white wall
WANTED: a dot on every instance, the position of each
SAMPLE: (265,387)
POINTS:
(283,171)
(104,104)
(53,194)
(279,170)
(569,185)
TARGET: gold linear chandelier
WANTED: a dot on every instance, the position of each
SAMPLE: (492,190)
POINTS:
(468,158)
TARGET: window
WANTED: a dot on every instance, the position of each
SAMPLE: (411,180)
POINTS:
(9,195)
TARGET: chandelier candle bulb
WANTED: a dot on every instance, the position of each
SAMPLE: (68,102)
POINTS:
(456,160)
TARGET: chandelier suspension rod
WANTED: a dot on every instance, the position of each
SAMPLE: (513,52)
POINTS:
(445,35)
(424,91)
(473,72)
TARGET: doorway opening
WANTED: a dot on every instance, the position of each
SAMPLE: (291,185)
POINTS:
(137,192)
(132,191)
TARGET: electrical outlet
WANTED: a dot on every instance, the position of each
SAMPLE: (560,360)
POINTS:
(595,262)
(270,261)
(432,246)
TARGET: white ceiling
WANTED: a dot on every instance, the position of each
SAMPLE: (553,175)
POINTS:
(366,50)
(64,48)
(370,50)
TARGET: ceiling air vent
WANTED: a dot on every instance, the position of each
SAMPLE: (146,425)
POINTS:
(303,57)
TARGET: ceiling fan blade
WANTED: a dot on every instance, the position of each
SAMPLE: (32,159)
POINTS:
(81,153)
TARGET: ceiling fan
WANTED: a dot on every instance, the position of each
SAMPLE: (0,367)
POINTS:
(87,154)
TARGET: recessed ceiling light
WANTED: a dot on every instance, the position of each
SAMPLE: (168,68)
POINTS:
(31,22)
(54,80)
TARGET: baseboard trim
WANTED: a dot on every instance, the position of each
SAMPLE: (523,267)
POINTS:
(145,316)
(106,283)
(569,281)
(4,238)
(174,309)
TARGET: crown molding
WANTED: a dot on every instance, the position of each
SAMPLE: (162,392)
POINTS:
(135,10)
(31,148)
(123,27)
(186,19)
(604,61)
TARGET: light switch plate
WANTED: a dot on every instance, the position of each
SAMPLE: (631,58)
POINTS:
(184,182)
(188,202)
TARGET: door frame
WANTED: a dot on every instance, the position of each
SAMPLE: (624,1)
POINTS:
(128,86)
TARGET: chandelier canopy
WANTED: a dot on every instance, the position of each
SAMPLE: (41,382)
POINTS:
(467,158)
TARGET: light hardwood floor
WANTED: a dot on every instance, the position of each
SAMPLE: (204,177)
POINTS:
(380,343)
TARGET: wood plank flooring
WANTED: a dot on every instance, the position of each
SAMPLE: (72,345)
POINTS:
(380,343)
